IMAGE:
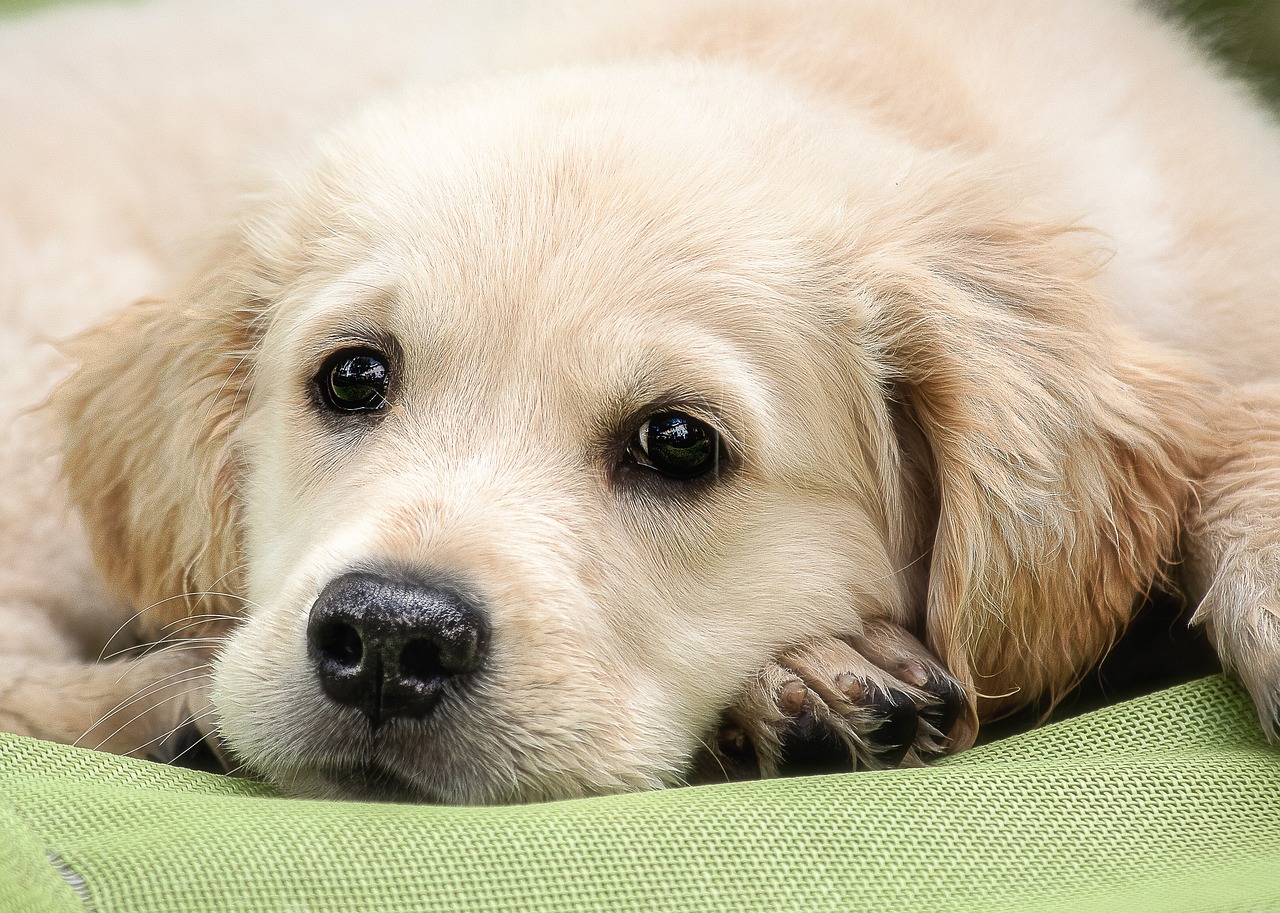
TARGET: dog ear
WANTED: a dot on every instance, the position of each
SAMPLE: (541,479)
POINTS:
(148,421)
(1062,448)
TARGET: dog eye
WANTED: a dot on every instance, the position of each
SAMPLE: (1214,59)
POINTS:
(354,380)
(676,445)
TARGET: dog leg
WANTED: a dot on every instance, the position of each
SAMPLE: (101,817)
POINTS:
(151,706)
(873,701)
(1233,550)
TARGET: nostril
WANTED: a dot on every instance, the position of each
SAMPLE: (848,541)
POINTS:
(420,662)
(344,655)
(340,643)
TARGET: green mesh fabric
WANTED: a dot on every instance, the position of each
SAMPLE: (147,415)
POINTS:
(1170,802)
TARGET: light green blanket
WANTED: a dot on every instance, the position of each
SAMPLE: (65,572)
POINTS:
(1166,803)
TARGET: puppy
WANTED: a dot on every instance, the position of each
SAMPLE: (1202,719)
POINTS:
(835,364)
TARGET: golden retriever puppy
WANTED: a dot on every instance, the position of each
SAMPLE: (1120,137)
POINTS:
(520,433)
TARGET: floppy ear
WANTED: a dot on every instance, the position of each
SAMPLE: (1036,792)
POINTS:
(148,421)
(1063,449)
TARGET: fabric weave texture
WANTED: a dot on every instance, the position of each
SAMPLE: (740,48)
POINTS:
(1170,802)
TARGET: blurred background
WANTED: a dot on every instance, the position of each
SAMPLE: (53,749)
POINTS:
(1245,32)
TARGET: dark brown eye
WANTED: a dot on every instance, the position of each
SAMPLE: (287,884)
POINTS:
(676,445)
(354,380)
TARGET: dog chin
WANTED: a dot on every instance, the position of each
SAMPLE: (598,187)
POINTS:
(377,780)
(378,775)
(383,767)
(367,782)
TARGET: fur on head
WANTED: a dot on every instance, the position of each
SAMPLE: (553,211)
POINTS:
(924,410)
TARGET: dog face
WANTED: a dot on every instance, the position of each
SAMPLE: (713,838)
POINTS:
(592,423)
(531,422)
(599,418)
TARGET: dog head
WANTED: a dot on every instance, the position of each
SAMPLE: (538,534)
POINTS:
(522,425)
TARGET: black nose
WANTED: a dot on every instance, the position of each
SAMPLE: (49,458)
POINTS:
(389,646)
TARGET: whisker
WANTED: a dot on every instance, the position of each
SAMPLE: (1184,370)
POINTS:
(213,402)
(191,720)
(684,781)
(145,692)
(204,616)
(103,655)
(114,634)
(170,643)
(129,722)
(188,621)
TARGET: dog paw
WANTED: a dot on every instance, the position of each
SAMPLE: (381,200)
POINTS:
(154,705)
(876,701)
(1243,623)
(191,746)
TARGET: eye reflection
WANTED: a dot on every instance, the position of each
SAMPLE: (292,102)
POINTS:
(677,445)
(354,380)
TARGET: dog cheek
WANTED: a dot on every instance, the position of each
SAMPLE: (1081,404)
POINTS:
(786,567)
(265,692)
(566,698)
(602,727)
(261,690)
(294,518)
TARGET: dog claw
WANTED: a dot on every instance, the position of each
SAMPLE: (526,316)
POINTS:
(871,702)
(729,756)
(792,696)
(896,734)
(913,673)
(948,704)
(810,747)
(850,686)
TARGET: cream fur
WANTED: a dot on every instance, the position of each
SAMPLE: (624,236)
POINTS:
(975,319)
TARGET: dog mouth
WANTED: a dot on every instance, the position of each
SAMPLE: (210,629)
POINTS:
(725,755)
(369,776)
